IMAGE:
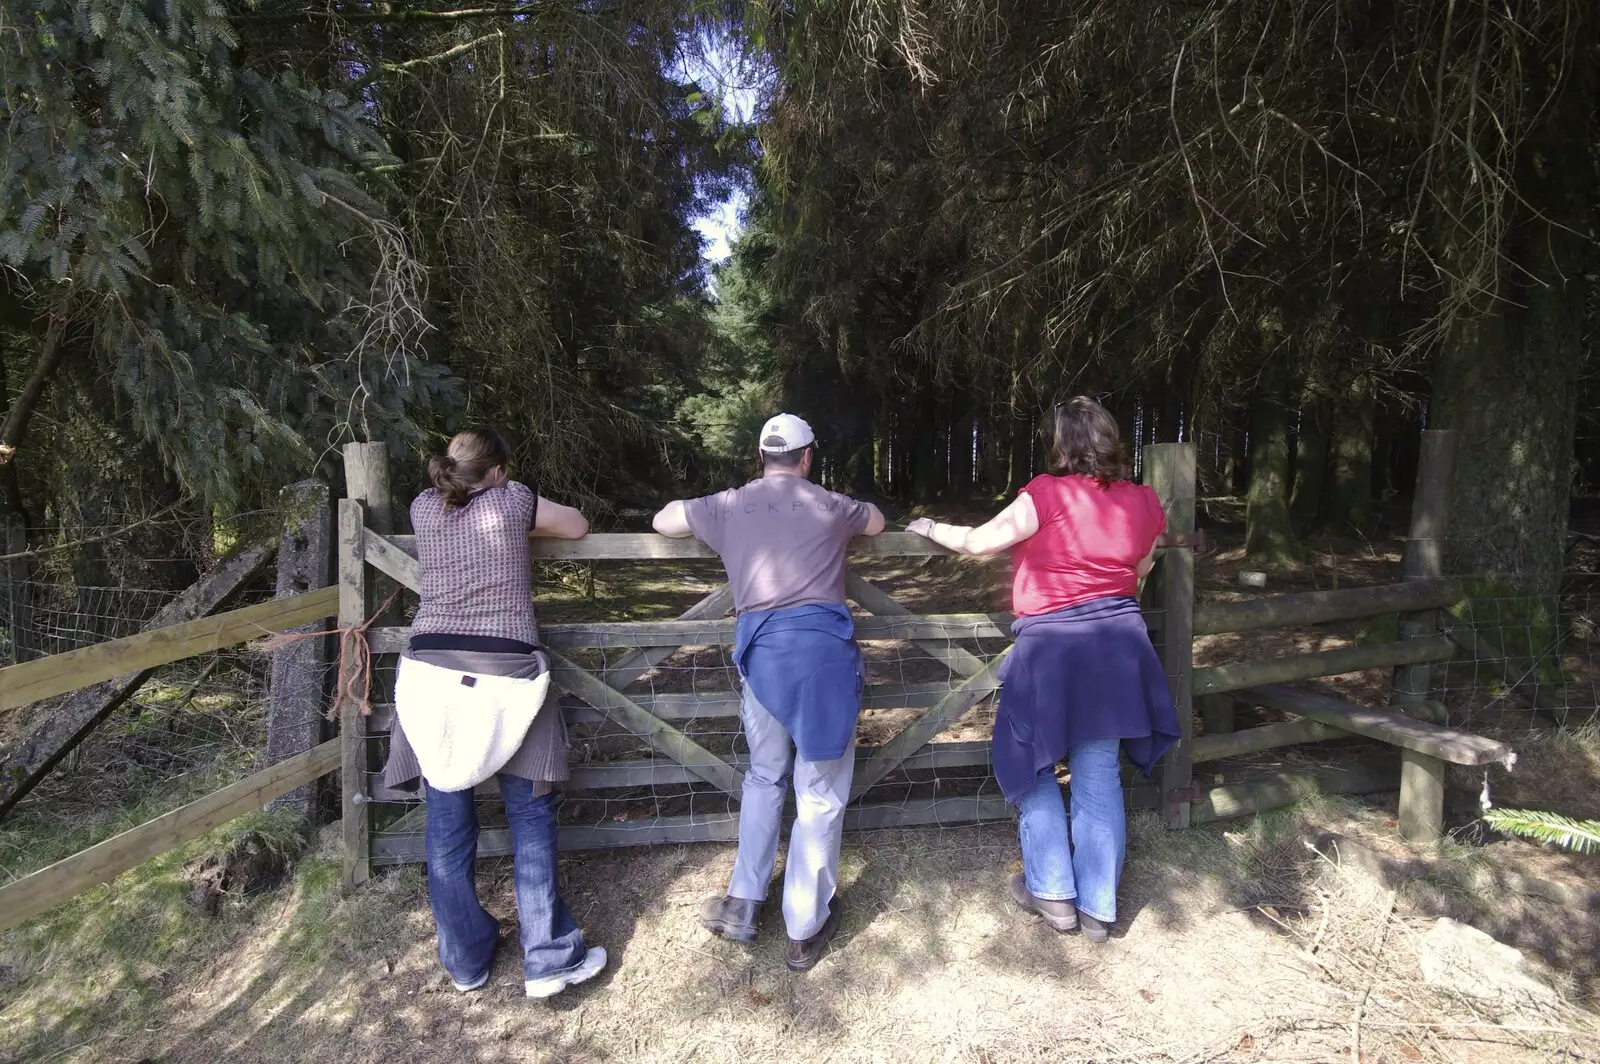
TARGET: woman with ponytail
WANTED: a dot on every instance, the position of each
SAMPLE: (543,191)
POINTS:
(470,704)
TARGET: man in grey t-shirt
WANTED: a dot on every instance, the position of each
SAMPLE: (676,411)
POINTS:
(783,541)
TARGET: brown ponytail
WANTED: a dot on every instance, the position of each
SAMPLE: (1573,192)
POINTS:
(466,464)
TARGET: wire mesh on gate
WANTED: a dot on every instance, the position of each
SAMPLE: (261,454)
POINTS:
(622,791)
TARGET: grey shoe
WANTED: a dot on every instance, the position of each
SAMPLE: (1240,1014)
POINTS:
(1061,915)
(730,917)
(1093,929)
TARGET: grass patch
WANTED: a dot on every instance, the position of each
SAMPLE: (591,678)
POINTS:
(112,954)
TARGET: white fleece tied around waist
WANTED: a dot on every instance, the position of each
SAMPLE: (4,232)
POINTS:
(462,726)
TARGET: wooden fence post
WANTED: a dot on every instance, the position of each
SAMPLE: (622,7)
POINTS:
(352,725)
(18,601)
(1170,469)
(300,670)
(1422,777)
(366,475)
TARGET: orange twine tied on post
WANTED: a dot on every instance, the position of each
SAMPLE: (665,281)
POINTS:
(355,658)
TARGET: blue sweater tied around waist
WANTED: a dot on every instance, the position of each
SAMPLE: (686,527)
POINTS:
(1081,674)
(803,665)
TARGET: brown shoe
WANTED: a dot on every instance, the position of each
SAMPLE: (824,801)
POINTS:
(804,953)
(730,917)
(1061,915)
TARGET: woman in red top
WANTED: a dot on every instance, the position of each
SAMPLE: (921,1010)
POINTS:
(1082,682)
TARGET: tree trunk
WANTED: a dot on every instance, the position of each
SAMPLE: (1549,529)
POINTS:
(961,447)
(996,453)
(1021,470)
(1310,464)
(21,411)
(1269,535)
(1348,506)
(1507,379)
(1236,468)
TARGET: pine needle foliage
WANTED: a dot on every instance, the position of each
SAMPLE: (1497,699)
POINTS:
(1552,829)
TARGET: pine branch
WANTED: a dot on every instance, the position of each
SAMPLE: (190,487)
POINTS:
(413,15)
(1578,836)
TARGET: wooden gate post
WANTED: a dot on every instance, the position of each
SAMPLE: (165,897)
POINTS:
(369,504)
(299,682)
(1170,469)
(1422,777)
(352,725)
(18,601)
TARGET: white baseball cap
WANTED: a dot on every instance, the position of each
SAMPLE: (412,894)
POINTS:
(785,432)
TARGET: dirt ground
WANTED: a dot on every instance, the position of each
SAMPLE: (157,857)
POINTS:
(1236,941)
(1235,944)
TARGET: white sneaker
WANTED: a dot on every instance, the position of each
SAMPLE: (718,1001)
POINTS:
(551,985)
(467,988)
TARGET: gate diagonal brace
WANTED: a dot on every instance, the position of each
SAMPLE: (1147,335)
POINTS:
(661,736)
(922,731)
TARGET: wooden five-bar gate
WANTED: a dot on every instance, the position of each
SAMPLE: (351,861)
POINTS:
(599,669)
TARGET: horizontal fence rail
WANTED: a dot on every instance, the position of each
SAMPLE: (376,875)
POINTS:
(1320,607)
(649,546)
(1218,679)
(59,674)
(67,878)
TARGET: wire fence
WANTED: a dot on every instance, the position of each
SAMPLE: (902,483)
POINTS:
(191,727)
(1521,663)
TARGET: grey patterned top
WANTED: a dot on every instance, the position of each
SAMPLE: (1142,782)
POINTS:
(476,578)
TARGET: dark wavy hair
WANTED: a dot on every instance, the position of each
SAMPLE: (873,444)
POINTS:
(1082,437)
(467,463)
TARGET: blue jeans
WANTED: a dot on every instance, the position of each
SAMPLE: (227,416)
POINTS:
(551,941)
(1084,871)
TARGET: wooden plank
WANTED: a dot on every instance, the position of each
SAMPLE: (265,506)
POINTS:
(940,631)
(657,733)
(661,772)
(393,562)
(1219,678)
(1365,776)
(875,600)
(1385,725)
(724,827)
(1265,737)
(16,573)
(34,756)
(352,592)
(42,890)
(715,705)
(1421,797)
(1424,555)
(637,665)
(922,730)
(1321,607)
(31,681)
(1171,471)
(648,546)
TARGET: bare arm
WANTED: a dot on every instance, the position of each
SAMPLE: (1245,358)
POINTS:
(672,520)
(555,521)
(875,521)
(1147,563)
(1006,529)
